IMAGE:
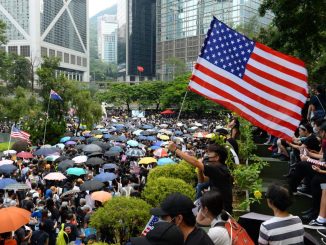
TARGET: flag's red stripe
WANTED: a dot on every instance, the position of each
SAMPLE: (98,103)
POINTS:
(255,122)
(278,67)
(246,92)
(272,91)
(280,55)
(276,80)
(250,107)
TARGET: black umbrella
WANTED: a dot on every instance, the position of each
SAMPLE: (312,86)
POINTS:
(70,192)
(133,152)
(111,153)
(46,151)
(94,161)
(96,132)
(92,148)
(91,185)
(60,159)
(95,154)
(100,144)
(64,165)
(116,149)
(7,169)
(146,133)
(109,166)
(79,147)
(122,138)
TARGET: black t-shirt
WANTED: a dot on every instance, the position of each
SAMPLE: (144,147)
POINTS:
(319,102)
(220,180)
(312,143)
(234,144)
(39,237)
(198,237)
(74,233)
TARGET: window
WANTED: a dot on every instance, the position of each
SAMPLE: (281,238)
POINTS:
(73,59)
(25,51)
(84,62)
(44,52)
(51,52)
(66,58)
(78,60)
(13,50)
(59,54)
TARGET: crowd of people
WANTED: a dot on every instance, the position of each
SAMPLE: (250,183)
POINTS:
(107,159)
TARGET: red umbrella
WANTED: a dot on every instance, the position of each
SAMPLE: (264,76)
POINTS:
(167,112)
(24,154)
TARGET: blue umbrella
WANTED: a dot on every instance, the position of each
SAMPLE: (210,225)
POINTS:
(76,171)
(141,137)
(155,147)
(7,169)
(151,138)
(132,143)
(178,132)
(116,149)
(64,139)
(158,143)
(165,161)
(46,151)
(148,126)
(107,136)
(118,126)
(121,138)
(6,181)
(109,166)
(105,177)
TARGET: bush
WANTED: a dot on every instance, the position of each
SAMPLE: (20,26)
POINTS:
(182,171)
(20,146)
(158,189)
(127,217)
(4,146)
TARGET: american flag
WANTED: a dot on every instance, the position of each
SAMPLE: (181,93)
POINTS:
(264,86)
(150,225)
(20,134)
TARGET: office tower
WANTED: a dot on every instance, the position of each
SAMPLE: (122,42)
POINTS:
(107,35)
(136,39)
(38,28)
(182,26)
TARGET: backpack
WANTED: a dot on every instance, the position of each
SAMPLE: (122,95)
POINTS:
(61,236)
(238,234)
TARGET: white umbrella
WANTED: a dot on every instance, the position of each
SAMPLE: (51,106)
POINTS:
(4,162)
(60,145)
(46,146)
(80,159)
(11,152)
(55,176)
(137,132)
(179,124)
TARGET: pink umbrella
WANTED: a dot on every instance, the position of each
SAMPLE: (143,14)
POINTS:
(25,154)
(161,152)
(55,176)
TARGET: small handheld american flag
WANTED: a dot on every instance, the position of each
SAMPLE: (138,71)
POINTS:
(150,225)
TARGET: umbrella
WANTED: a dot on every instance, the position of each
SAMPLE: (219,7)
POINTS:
(64,165)
(46,151)
(100,144)
(9,152)
(116,149)
(70,192)
(155,147)
(96,132)
(158,143)
(6,161)
(151,138)
(6,181)
(165,161)
(167,112)
(79,159)
(60,146)
(135,153)
(145,133)
(51,158)
(94,161)
(101,196)
(92,148)
(163,137)
(107,136)
(7,169)
(64,139)
(17,186)
(164,125)
(111,153)
(147,126)
(109,166)
(132,143)
(46,146)
(147,160)
(141,137)
(55,176)
(25,154)
(200,135)
(95,154)
(91,185)
(137,132)
(70,142)
(209,136)
(161,153)
(178,133)
(76,171)
(13,218)
(98,136)
(76,138)
(122,138)
(105,177)
(80,147)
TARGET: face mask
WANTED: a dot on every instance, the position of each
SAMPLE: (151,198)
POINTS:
(315,130)
(40,208)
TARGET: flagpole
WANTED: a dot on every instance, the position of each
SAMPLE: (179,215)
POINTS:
(10,136)
(183,101)
(46,120)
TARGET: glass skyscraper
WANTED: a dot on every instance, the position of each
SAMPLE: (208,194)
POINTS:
(38,28)
(136,39)
(182,25)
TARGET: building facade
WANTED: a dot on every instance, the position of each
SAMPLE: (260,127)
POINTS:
(136,39)
(38,28)
(107,36)
(182,26)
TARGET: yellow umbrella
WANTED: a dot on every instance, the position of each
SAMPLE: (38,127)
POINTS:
(209,136)
(163,137)
(86,132)
(147,160)
(98,136)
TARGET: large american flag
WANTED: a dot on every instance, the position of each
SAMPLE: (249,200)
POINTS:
(150,225)
(264,86)
(20,134)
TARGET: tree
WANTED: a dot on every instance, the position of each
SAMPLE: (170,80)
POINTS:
(158,189)
(19,73)
(178,65)
(150,93)
(6,61)
(298,29)
(3,37)
(125,217)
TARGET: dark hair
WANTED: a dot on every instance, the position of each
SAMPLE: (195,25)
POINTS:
(213,201)
(307,127)
(189,219)
(220,151)
(279,197)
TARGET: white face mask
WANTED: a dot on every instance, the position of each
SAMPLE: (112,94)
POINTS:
(40,208)
(315,130)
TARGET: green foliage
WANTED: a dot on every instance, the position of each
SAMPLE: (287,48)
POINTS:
(6,61)
(126,216)
(298,29)
(158,189)
(4,146)
(177,65)
(19,73)
(181,171)
(246,143)
(3,37)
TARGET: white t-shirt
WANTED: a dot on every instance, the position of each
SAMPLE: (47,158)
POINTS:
(218,234)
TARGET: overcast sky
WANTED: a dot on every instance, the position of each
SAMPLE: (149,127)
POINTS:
(96,6)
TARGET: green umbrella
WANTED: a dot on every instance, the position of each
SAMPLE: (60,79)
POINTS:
(76,171)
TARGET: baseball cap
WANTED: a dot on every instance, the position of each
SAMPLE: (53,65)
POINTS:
(164,233)
(175,203)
